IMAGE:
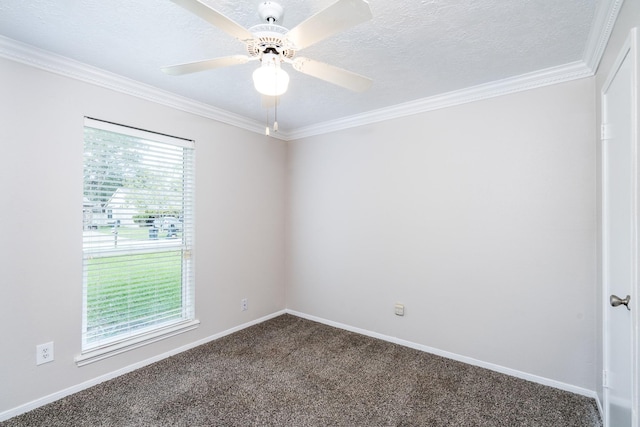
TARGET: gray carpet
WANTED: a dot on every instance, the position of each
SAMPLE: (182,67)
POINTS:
(290,371)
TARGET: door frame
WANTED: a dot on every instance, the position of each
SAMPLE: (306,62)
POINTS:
(629,51)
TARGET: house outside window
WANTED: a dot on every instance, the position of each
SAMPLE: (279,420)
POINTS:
(138,202)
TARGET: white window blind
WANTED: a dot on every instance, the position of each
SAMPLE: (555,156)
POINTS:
(137,235)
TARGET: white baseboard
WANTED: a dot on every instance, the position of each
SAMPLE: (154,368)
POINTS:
(600,407)
(102,378)
(471,361)
(497,368)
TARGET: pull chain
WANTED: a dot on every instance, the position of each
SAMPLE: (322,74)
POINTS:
(266,131)
(275,115)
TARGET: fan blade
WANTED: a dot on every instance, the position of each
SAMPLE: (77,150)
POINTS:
(215,18)
(209,64)
(331,74)
(339,16)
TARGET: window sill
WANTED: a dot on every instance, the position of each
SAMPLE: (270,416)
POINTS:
(101,353)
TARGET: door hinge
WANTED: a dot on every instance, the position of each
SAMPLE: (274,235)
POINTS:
(605,132)
(605,379)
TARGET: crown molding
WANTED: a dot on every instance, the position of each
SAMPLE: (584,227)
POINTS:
(606,13)
(603,21)
(549,76)
(44,60)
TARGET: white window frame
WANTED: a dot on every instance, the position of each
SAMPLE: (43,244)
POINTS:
(110,347)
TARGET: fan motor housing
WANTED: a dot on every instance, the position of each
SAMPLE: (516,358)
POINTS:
(269,36)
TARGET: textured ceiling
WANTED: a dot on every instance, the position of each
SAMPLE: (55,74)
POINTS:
(412,49)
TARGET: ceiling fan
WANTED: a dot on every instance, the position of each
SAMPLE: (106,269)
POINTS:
(273,44)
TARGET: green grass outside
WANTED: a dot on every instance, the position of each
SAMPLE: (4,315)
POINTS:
(133,290)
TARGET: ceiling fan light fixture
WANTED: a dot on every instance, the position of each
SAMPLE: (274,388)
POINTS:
(270,79)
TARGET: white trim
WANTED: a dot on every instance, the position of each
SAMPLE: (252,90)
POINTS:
(601,29)
(600,407)
(108,376)
(628,51)
(605,17)
(44,60)
(95,381)
(604,268)
(47,61)
(464,359)
(112,349)
(549,76)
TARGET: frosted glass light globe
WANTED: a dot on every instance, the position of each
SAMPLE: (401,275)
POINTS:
(270,79)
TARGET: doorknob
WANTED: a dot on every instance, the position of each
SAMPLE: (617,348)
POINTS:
(616,301)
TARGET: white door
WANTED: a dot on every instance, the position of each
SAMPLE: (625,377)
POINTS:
(620,243)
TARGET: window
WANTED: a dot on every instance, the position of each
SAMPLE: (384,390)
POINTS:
(138,276)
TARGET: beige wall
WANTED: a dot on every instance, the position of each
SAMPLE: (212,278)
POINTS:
(480,218)
(239,215)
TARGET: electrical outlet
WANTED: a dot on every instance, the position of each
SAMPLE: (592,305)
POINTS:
(44,353)
(244,304)
(399,309)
